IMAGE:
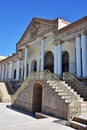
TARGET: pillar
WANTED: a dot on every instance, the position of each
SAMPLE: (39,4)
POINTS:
(42,55)
(56,60)
(11,70)
(2,78)
(25,62)
(84,55)
(78,56)
(18,69)
(0,72)
(59,59)
(6,72)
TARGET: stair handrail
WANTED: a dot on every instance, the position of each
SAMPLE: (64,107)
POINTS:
(70,76)
(74,109)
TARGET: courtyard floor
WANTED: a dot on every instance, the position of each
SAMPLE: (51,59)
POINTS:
(13,119)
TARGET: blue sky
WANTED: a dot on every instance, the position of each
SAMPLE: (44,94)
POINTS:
(15,15)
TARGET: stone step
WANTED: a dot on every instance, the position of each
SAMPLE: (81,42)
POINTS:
(81,119)
(78,126)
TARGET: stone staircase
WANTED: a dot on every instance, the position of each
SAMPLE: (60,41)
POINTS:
(4,96)
(66,94)
(78,122)
(9,88)
(75,84)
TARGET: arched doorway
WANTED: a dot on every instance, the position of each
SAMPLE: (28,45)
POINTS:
(34,65)
(49,61)
(37,98)
(65,62)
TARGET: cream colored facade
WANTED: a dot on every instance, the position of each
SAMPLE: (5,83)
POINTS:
(56,45)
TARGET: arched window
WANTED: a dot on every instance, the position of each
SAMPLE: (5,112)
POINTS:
(34,65)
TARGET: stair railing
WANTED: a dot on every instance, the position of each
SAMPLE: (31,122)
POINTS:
(74,109)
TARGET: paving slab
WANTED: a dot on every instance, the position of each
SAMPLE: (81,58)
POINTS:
(13,119)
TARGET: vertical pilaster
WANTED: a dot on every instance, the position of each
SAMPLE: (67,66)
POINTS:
(25,62)
(78,56)
(2,73)
(42,55)
(18,69)
(56,60)
(11,70)
(84,54)
(60,59)
(6,72)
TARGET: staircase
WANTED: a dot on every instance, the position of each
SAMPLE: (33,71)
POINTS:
(78,122)
(4,96)
(9,88)
(75,84)
(67,95)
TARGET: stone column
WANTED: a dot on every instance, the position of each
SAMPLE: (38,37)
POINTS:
(60,59)
(56,60)
(78,56)
(84,55)
(11,70)
(25,62)
(2,73)
(6,72)
(42,55)
(18,69)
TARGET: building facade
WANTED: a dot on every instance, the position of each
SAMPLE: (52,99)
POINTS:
(56,45)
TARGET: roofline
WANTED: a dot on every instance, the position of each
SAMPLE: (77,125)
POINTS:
(37,20)
(70,26)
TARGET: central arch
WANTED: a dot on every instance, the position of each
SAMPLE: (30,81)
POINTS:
(65,61)
(49,61)
(37,98)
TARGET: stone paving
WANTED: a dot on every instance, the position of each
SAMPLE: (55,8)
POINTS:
(14,120)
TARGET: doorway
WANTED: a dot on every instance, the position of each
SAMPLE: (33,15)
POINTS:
(65,62)
(49,61)
(37,98)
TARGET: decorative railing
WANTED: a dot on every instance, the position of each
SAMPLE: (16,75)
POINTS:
(68,77)
(74,106)
(74,109)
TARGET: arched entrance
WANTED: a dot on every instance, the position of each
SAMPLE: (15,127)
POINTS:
(65,62)
(34,65)
(37,98)
(49,61)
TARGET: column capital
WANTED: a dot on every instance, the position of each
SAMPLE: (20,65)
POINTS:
(78,35)
(83,32)
(57,42)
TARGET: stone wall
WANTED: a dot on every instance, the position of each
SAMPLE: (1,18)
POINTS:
(51,102)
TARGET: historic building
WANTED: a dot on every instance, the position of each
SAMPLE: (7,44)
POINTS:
(54,45)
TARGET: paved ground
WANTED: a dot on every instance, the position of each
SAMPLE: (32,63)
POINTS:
(13,120)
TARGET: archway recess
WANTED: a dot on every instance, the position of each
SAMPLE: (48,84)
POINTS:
(49,61)
(65,61)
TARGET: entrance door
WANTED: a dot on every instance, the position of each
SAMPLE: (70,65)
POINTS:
(65,62)
(49,61)
(37,98)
